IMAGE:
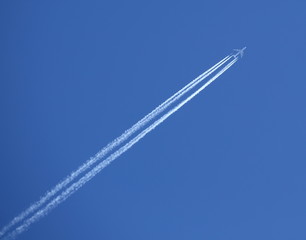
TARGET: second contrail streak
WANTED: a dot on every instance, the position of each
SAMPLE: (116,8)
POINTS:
(87,177)
(43,200)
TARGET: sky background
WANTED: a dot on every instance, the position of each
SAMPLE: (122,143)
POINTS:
(229,165)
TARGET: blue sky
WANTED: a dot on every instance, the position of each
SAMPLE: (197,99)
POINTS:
(229,165)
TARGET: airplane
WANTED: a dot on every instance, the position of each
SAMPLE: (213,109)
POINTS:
(239,52)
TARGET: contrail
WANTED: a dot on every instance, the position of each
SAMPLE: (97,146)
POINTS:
(77,185)
(112,145)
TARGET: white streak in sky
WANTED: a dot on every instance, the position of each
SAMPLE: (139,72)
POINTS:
(111,146)
(77,185)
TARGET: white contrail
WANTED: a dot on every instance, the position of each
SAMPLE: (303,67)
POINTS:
(77,185)
(111,146)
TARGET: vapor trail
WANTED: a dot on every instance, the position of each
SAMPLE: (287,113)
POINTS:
(77,185)
(111,146)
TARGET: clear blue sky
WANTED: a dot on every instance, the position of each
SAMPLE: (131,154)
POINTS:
(229,165)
